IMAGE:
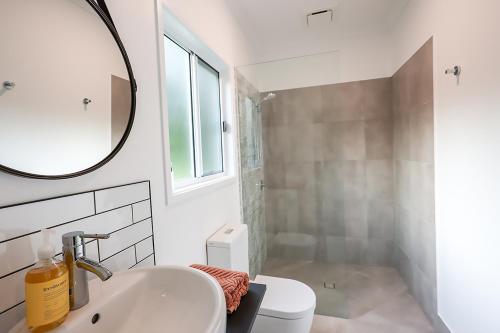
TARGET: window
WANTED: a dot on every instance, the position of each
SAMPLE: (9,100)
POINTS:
(194,116)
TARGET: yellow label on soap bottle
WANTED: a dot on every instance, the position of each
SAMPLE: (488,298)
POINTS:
(47,302)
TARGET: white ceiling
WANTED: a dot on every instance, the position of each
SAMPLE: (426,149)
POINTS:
(277,28)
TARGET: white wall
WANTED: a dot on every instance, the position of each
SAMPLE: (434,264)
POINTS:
(355,58)
(181,228)
(467,140)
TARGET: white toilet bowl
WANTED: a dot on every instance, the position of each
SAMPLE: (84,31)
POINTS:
(288,306)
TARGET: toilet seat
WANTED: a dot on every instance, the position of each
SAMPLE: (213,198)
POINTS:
(285,298)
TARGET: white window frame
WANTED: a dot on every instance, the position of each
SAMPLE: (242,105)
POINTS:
(172,28)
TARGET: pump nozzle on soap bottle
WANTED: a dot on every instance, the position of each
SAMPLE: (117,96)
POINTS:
(46,250)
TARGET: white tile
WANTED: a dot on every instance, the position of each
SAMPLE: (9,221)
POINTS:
(23,219)
(22,252)
(122,261)
(149,262)
(18,253)
(104,223)
(121,196)
(144,248)
(142,210)
(91,251)
(10,318)
(12,290)
(124,238)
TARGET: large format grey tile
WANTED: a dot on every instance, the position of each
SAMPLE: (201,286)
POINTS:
(300,140)
(341,102)
(378,137)
(380,218)
(377,98)
(300,106)
(379,179)
(275,143)
(421,133)
(275,174)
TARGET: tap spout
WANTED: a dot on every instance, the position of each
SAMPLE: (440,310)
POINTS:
(93,267)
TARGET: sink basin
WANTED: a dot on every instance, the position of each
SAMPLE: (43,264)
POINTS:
(159,299)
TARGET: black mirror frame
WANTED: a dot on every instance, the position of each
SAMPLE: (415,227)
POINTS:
(101,9)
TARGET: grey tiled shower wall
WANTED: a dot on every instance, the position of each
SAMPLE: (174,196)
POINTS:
(415,236)
(250,133)
(328,164)
(349,170)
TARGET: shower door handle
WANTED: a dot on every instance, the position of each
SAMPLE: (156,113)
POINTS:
(261,185)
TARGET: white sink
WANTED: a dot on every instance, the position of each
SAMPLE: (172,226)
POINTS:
(160,299)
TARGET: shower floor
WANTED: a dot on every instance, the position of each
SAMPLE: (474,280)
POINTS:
(355,296)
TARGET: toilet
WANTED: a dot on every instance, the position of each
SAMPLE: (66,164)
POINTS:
(288,305)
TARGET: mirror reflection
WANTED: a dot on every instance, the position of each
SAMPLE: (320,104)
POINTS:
(65,93)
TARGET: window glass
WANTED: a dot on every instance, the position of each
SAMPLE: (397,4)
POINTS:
(210,118)
(180,112)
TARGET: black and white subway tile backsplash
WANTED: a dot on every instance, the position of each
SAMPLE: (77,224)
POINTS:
(124,211)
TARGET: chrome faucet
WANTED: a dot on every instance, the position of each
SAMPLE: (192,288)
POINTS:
(78,265)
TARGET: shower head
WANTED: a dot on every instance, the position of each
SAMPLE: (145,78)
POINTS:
(269,97)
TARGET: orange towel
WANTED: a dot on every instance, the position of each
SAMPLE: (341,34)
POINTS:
(234,284)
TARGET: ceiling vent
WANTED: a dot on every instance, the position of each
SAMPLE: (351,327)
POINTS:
(320,18)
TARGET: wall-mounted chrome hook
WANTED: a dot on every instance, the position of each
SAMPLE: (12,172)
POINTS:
(9,85)
(87,101)
(456,71)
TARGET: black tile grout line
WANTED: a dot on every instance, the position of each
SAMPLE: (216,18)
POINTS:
(12,307)
(152,222)
(73,221)
(79,219)
(137,263)
(98,251)
(145,258)
(135,253)
(16,271)
(130,225)
(98,247)
(133,245)
(71,195)
(129,204)
(33,264)
(132,210)
(124,249)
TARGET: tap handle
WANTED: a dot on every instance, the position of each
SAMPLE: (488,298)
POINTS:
(96,236)
(76,238)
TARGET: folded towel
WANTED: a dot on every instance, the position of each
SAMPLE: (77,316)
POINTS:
(234,284)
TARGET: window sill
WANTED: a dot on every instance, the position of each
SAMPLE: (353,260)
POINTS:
(196,190)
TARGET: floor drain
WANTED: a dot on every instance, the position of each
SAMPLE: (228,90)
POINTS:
(329,285)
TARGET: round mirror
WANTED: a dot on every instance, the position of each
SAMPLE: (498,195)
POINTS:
(67,92)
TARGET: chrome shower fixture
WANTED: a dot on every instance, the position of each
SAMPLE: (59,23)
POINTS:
(269,97)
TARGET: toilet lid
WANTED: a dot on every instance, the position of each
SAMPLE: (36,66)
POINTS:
(285,298)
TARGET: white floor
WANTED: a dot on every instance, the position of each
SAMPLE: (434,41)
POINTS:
(366,299)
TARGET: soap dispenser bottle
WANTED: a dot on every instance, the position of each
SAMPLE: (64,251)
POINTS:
(46,290)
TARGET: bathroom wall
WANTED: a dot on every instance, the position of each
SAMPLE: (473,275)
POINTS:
(329,173)
(251,173)
(415,235)
(122,211)
(181,228)
(467,133)
(347,59)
